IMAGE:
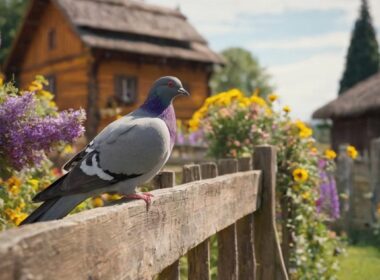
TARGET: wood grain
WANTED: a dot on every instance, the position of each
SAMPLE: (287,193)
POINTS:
(244,233)
(270,262)
(166,179)
(198,258)
(126,241)
(227,242)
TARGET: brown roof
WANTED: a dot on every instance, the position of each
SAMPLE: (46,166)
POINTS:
(128,16)
(124,25)
(358,100)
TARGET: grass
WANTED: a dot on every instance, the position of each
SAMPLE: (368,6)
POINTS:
(360,262)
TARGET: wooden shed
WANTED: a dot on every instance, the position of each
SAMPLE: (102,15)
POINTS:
(355,115)
(98,53)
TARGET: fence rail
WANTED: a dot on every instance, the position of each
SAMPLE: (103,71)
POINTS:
(128,242)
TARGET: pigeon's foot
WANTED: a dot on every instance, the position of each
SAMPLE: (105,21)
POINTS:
(144,196)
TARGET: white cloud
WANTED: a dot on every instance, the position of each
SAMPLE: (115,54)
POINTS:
(304,85)
(309,84)
(226,12)
(336,39)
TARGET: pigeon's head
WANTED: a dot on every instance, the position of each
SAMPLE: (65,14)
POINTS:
(166,89)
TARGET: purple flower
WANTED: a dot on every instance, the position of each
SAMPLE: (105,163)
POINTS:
(180,138)
(25,136)
(328,201)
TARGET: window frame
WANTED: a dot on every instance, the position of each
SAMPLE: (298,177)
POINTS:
(122,87)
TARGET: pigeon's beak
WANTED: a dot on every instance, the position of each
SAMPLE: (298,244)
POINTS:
(183,91)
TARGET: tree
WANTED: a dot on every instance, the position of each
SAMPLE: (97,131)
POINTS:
(363,59)
(241,71)
(11,12)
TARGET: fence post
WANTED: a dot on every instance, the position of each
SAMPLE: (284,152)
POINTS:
(375,175)
(227,243)
(344,174)
(244,229)
(166,179)
(270,262)
(199,257)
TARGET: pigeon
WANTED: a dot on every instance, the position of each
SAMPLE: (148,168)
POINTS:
(126,153)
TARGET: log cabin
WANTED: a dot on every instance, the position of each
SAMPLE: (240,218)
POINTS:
(98,54)
(355,115)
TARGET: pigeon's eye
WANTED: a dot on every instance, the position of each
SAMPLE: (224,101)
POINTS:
(170,84)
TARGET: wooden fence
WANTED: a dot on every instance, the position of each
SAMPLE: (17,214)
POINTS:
(127,241)
(358,184)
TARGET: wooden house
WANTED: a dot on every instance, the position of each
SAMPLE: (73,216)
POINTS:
(355,115)
(98,53)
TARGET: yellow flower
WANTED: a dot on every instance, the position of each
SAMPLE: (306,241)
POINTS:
(52,104)
(14,185)
(35,86)
(235,93)
(211,100)
(197,116)
(300,175)
(304,130)
(286,109)
(10,213)
(34,183)
(19,218)
(258,100)
(272,97)
(314,150)
(1,80)
(45,94)
(112,197)
(330,154)
(22,204)
(352,152)
(306,195)
(97,202)
(15,215)
(194,124)
(68,149)
(244,102)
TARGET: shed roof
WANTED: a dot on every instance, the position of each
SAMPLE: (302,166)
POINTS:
(360,99)
(124,25)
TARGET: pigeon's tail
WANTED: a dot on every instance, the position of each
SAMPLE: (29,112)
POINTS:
(55,208)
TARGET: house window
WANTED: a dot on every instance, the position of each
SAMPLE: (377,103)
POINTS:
(126,89)
(52,86)
(51,39)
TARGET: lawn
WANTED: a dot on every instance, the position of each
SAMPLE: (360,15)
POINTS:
(360,262)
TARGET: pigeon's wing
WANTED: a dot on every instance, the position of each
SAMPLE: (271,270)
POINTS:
(141,145)
(106,133)
(148,144)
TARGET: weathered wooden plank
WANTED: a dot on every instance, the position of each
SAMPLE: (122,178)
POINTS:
(198,258)
(166,179)
(267,247)
(227,243)
(244,234)
(126,241)
(246,256)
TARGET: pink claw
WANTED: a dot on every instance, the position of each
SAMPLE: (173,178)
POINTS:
(144,196)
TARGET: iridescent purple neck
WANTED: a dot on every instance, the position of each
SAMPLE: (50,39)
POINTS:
(166,113)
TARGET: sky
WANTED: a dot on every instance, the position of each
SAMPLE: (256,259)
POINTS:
(301,43)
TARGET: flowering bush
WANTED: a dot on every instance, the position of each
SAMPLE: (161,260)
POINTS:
(233,124)
(30,126)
